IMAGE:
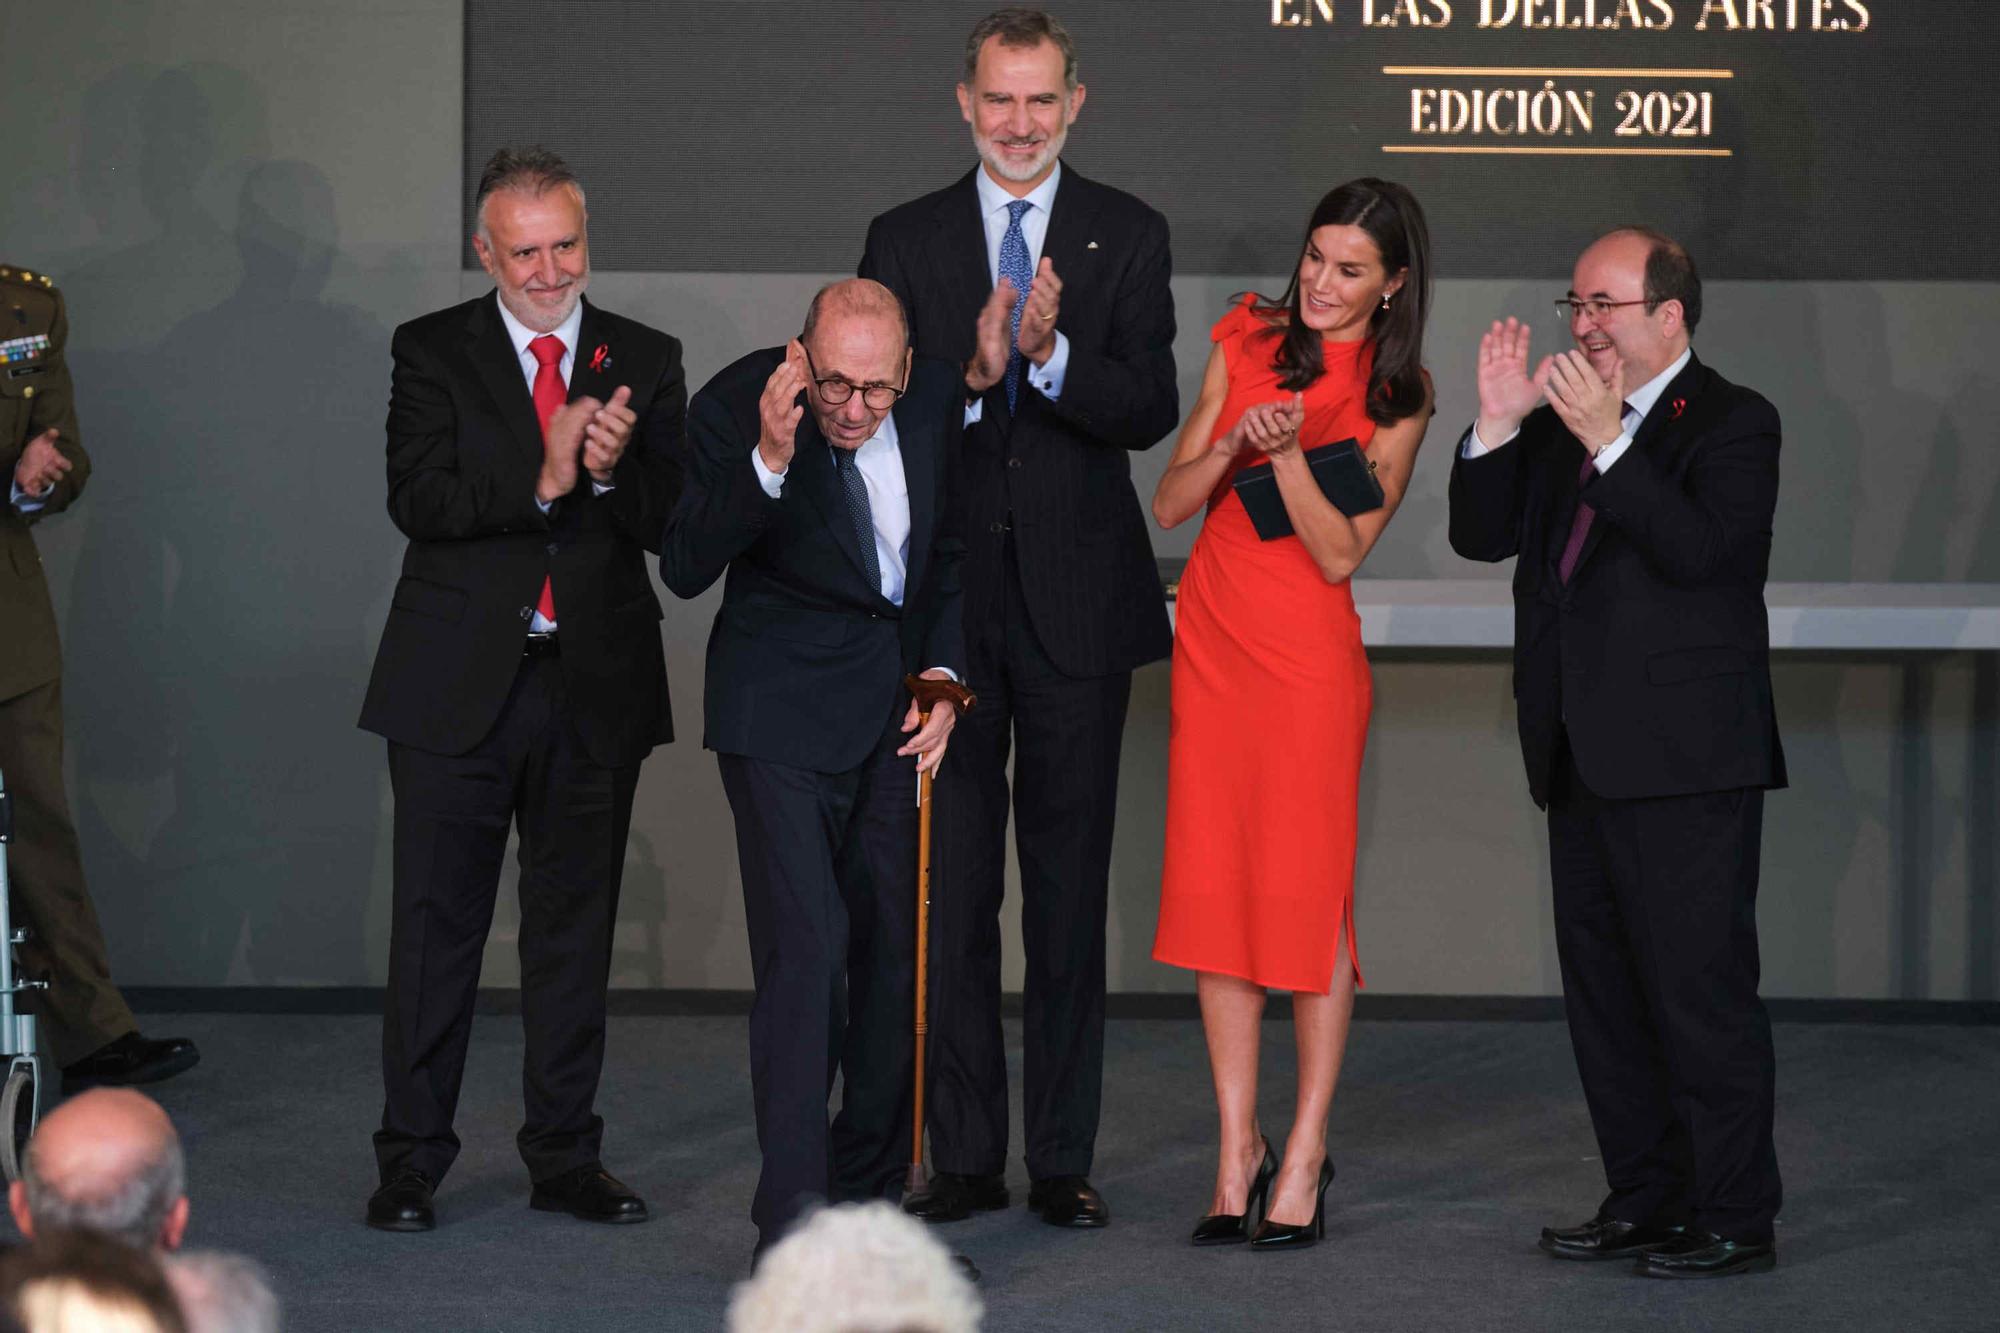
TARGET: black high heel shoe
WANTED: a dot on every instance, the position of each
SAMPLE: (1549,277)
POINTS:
(1294,1235)
(1233,1228)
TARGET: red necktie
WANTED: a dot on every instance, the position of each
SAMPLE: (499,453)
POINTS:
(550,394)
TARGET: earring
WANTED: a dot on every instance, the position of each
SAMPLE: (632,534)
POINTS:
(1385,300)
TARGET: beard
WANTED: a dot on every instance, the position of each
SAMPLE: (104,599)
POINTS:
(990,154)
(540,317)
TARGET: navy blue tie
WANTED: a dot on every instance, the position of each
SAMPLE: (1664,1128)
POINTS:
(1014,268)
(854,487)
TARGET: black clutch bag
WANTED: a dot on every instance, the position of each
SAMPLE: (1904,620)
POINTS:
(1346,478)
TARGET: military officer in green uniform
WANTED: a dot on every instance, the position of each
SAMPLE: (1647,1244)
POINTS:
(89,1027)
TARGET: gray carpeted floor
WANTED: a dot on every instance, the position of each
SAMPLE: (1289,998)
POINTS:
(1455,1142)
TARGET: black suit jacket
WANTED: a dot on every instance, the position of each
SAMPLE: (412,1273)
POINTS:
(1655,657)
(807,657)
(464,451)
(1060,472)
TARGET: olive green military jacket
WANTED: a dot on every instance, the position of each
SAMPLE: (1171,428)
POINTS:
(35,394)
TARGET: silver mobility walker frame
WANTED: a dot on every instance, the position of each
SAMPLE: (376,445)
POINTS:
(20,1097)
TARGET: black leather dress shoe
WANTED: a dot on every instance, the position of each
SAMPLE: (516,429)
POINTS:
(402,1203)
(1068,1201)
(1605,1238)
(588,1192)
(951,1197)
(1704,1254)
(131,1060)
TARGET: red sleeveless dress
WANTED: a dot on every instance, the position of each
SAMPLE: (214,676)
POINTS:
(1271,695)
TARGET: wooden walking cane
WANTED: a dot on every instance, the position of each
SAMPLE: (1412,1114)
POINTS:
(928,694)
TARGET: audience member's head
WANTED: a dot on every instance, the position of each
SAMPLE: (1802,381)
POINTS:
(84,1282)
(858,1268)
(222,1293)
(106,1161)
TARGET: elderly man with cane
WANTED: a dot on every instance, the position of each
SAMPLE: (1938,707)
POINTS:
(822,484)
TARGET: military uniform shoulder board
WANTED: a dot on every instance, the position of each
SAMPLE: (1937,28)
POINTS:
(26,277)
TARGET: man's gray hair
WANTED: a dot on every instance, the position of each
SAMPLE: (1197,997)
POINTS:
(1020,28)
(133,1209)
(222,1293)
(535,170)
(856,1267)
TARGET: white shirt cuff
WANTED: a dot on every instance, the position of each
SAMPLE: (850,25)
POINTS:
(947,671)
(1474,446)
(596,488)
(1611,452)
(1048,379)
(772,482)
(974,410)
(25,503)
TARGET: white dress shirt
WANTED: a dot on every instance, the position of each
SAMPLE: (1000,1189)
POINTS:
(1637,404)
(1047,379)
(880,459)
(25,503)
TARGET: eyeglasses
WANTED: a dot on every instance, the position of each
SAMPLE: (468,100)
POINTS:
(835,390)
(1569,307)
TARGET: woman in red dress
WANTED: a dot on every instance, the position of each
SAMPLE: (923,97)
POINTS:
(1270,683)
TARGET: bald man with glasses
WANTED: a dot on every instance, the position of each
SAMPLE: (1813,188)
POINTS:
(822,489)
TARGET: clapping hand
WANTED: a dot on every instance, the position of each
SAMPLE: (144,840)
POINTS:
(989,347)
(1037,338)
(606,434)
(1593,410)
(1507,392)
(1273,428)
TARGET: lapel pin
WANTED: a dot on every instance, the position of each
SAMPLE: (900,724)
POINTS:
(601,358)
(1680,406)
(1091,246)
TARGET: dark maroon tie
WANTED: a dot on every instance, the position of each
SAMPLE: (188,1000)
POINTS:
(1579,527)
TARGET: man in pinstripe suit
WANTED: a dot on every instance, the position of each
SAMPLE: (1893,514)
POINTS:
(1051,291)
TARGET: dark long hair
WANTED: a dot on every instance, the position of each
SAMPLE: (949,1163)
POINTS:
(1391,216)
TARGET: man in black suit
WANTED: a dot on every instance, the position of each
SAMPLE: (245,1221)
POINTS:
(533,458)
(838,533)
(1064,372)
(1639,503)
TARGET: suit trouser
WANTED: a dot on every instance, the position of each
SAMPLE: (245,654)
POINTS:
(451,826)
(1656,930)
(829,864)
(82,1010)
(1065,733)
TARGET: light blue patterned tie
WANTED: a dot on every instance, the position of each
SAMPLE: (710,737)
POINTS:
(1014,268)
(854,487)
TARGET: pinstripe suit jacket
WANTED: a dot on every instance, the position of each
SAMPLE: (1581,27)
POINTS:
(1059,472)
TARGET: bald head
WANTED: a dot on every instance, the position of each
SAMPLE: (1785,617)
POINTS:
(855,298)
(106,1161)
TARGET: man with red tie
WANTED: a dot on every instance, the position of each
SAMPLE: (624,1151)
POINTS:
(534,446)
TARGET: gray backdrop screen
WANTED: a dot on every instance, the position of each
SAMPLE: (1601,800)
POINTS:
(1779,138)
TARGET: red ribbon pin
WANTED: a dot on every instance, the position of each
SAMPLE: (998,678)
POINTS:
(601,358)
(1680,404)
